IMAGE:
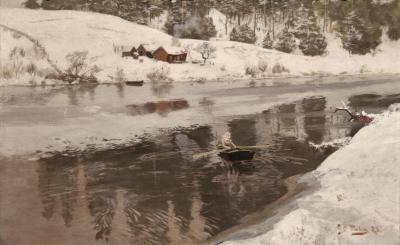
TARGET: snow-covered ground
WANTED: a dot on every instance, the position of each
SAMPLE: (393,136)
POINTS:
(356,200)
(63,32)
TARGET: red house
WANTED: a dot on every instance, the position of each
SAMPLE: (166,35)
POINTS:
(170,54)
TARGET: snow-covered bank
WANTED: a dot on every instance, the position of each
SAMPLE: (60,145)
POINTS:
(357,198)
(65,32)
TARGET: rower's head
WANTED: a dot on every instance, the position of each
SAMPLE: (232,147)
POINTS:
(227,135)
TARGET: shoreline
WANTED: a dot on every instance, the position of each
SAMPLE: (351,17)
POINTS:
(295,187)
(276,80)
(329,209)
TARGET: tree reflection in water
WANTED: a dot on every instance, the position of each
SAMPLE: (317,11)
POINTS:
(154,192)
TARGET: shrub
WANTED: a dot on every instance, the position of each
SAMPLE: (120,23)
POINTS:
(243,34)
(206,50)
(79,68)
(285,42)
(278,68)
(31,69)
(314,44)
(31,4)
(17,52)
(6,72)
(37,52)
(159,75)
(267,42)
(17,67)
(251,70)
(357,37)
(262,65)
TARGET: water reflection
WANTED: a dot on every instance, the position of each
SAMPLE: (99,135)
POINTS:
(243,131)
(363,101)
(120,89)
(161,89)
(163,108)
(314,121)
(58,188)
(154,192)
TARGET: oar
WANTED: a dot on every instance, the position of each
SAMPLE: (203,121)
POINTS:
(205,154)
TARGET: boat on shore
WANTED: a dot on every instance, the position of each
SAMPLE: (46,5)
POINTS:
(135,83)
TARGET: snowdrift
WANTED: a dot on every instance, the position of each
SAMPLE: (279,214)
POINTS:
(357,199)
(63,32)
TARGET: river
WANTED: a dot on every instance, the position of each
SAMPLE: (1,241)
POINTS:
(103,185)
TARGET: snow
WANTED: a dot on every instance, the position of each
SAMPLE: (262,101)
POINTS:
(150,47)
(64,32)
(355,198)
(174,50)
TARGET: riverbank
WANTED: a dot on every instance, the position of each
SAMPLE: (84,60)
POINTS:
(355,196)
(31,53)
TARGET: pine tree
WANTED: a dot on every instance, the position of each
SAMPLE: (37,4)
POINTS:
(352,30)
(31,4)
(234,35)
(169,26)
(244,34)
(267,42)
(285,42)
(304,22)
(314,44)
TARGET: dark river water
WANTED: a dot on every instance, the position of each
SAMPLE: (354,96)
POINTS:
(154,191)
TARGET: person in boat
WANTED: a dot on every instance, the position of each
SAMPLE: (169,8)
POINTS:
(227,142)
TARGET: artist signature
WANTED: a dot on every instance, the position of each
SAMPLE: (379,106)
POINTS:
(357,230)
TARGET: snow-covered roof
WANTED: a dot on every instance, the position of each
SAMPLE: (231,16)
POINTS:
(127,48)
(150,47)
(174,50)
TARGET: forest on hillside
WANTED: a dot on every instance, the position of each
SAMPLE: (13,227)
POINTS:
(288,23)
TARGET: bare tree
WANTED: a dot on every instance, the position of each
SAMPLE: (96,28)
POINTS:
(206,50)
(80,67)
(356,117)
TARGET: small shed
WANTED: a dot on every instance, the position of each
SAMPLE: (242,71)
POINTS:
(170,54)
(147,50)
(129,52)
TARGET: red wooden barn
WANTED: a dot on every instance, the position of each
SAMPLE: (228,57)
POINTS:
(170,54)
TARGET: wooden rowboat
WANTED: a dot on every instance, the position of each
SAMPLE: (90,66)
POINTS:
(135,83)
(237,155)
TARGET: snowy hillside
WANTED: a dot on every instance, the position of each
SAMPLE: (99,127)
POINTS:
(59,33)
(357,198)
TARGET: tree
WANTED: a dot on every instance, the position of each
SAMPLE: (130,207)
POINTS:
(80,67)
(267,42)
(304,22)
(352,30)
(31,4)
(206,50)
(234,35)
(304,27)
(169,26)
(244,34)
(285,41)
(314,44)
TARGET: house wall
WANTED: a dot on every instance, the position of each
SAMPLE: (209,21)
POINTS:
(177,58)
(161,54)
